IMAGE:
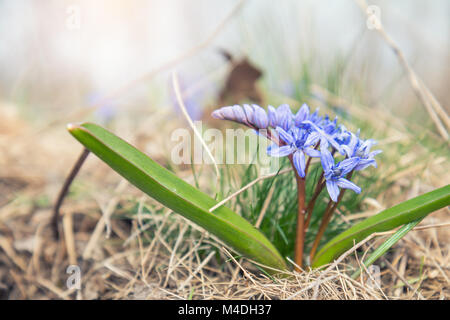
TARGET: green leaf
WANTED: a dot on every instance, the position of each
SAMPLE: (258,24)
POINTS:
(403,213)
(385,246)
(178,195)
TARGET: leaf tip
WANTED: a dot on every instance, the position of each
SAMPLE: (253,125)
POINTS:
(72,127)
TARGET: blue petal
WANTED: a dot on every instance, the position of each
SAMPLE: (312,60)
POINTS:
(368,144)
(348,165)
(364,163)
(227,113)
(374,153)
(286,137)
(312,152)
(302,114)
(272,115)
(276,151)
(353,143)
(327,160)
(217,114)
(324,144)
(344,183)
(315,116)
(284,116)
(260,117)
(249,112)
(299,162)
(312,139)
(347,150)
(239,114)
(333,190)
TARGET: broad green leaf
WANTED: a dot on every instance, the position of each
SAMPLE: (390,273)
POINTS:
(403,213)
(178,195)
(385,246)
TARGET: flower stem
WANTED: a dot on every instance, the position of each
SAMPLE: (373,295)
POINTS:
(326,219)
(300,240)
(312,202)
(323,225)
(300,231)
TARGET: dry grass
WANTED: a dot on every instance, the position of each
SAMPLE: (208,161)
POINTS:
(163,256)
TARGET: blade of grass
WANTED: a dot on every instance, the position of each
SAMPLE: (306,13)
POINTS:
(382,249)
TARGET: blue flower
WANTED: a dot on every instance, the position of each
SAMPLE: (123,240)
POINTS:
(356,147)
(105,110)
(299,133)
(325,138)
(335,173)
(315,118)
(342,136)
(297,142)
(330,127)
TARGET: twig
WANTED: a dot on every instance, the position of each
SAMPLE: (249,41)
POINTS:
(422,92)
(200,266)
(174,251)
(264,208)
(316,283)
(65,188)
(106,213)
(69,237)
(8,249)
(401,277)
(176,88)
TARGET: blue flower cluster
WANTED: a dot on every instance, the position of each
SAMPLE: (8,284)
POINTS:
(308,134)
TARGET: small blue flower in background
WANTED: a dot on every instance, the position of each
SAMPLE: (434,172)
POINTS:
(192,98)
(297,143)
(106,111)
(335,173)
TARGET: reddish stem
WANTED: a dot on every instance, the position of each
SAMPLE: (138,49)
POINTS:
(65,189)
(326,219)
(312,202)
(323,225)
(300,230)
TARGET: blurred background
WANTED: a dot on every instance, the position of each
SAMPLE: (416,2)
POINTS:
(59,59)
(56,56)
